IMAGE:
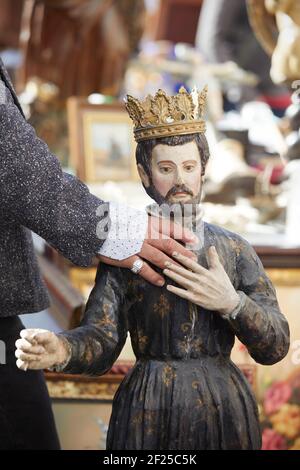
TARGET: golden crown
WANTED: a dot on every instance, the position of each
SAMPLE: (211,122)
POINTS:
(163,115)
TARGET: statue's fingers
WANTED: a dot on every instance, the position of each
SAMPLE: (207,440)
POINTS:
(182,271)
(181,280)
(26,357)
(38,350)
(28,334)
(22,343)
(37,336)
(190,264)
(31,332)
(18,353)
(35,365)
(25,346)
(22,365)
(44,338)
(184,294)
(213,258)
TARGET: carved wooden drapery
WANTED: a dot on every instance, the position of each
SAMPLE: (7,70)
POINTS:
(10,23)
(82,46)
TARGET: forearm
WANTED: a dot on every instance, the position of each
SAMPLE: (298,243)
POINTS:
(88,351)
(39,195)
(262,328)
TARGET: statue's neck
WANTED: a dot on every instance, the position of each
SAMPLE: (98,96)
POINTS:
(189,215)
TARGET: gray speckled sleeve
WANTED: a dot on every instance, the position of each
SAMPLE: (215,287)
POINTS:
(259,324)
(36,192)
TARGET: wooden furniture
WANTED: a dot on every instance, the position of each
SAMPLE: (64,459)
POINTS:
(10,23)
(81,46)
(279,258)
(178,20)
(67,303)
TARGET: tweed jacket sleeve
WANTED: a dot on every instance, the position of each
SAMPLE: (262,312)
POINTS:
(36,192)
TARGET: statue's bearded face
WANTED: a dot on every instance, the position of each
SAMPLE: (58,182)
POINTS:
(175,174)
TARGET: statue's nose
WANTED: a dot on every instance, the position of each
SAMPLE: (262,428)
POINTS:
(179,178)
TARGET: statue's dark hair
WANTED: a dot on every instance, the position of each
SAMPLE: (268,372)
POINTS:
(144,149)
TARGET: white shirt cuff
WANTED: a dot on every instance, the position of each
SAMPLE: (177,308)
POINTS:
(127,232)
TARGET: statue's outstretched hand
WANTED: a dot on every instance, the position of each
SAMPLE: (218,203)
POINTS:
(210,288)
(39,349)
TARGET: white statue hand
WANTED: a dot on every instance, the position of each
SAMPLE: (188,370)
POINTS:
(210,288)
(39,349)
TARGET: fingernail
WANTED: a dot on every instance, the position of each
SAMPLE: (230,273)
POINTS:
(175,254)
(167,263)
(160,283)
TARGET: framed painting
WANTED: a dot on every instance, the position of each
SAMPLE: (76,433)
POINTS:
(102,146)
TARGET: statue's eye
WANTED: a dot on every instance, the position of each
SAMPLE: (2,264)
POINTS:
(165,169)
(190,167)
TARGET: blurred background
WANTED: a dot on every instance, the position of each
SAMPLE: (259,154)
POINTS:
(72,63)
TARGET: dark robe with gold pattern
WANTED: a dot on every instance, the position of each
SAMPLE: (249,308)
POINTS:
(184,392)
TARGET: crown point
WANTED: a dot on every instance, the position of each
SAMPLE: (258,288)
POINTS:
(163,115)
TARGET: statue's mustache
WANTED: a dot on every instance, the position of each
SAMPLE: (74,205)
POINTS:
(182,188)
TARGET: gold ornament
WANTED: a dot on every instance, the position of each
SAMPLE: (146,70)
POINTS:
(164,116)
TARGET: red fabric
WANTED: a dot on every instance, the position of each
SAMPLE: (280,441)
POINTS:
(276,172)
(279,102)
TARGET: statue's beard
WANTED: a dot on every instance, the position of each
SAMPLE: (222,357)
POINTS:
(187,213)
(160,199)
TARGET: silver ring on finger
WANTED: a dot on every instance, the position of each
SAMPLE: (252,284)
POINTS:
(137,266)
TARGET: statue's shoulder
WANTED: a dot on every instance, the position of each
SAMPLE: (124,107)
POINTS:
(111,274)
(217,233)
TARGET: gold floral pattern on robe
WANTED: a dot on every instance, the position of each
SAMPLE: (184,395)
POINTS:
(162,307)
(168,375)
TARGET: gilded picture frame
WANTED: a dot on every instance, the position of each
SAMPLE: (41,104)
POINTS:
(102,146)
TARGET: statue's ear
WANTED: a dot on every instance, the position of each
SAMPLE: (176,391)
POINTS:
(143,175)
